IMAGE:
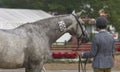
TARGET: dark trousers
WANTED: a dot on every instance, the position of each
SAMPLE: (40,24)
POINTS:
(102,69)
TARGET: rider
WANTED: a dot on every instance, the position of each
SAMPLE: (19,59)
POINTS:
(102,48)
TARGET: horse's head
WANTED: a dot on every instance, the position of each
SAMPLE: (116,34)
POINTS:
(78,29)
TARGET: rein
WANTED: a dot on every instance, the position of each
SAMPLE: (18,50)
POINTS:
(78,45)
(80,61)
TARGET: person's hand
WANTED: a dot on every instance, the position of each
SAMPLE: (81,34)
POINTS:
(80,53)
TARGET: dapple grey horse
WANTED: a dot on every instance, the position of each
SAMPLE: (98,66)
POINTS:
(28,46)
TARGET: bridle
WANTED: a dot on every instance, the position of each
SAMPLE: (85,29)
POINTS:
(80,25)
(78,45)
(83,35)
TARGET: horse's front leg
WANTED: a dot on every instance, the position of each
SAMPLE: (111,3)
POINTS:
(34,67)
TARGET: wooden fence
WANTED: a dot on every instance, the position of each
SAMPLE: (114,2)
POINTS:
(69,50)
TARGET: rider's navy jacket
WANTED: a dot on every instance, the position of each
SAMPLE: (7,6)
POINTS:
(102,50)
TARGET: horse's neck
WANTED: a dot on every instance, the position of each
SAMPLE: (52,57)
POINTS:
(49,27)
(56,30)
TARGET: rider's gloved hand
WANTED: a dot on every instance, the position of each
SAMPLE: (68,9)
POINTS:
(80,53)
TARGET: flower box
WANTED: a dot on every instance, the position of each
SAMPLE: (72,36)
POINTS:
(64,55)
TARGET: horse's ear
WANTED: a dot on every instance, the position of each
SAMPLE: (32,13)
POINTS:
(73,12)
(79,13)
(76,14)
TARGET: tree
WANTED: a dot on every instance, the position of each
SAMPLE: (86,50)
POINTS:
(67,6)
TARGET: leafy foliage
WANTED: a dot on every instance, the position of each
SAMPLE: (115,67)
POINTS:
(66,6)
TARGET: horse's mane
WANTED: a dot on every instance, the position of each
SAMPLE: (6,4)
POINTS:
(55,17)
(43,20)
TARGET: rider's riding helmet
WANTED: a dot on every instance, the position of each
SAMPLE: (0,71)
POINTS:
(101,22)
